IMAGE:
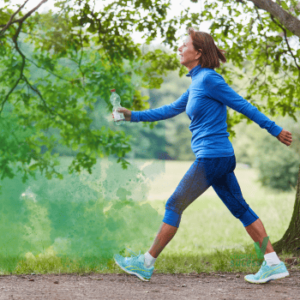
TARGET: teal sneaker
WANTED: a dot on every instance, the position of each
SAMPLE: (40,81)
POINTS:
(134,265)
(268,273)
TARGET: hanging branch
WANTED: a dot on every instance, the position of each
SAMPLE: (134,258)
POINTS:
(22,68)
(286,40)
(285,35)
(21,20)
(12,17)
(285,18)
(22,76)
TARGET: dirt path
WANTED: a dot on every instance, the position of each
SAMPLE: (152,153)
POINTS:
(123,286)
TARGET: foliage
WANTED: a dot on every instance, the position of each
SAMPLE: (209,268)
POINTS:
(82,51)
(278,168)
(55,67)
(277,164)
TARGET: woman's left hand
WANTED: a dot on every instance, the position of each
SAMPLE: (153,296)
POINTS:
(285,137)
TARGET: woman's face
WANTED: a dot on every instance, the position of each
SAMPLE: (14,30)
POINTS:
(189,57)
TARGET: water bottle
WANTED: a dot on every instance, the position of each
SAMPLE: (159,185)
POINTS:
(115,100)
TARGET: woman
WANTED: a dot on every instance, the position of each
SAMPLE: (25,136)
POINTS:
(205,103)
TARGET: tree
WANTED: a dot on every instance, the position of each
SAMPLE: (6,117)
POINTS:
(262,31)
(290,240)
(99,50)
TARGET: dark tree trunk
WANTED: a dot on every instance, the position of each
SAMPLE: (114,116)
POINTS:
(290,242)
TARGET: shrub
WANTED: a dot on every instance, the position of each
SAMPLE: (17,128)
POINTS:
(278,165)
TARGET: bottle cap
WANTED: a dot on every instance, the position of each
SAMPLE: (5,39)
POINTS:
(113,90)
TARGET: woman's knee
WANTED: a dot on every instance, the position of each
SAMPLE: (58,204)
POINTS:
(172,218)
(177,204)
(248,217)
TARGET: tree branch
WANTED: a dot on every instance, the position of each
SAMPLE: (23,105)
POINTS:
(39,94)
(60,77)
(22,76)
(12,89)
(286,40)
(15,37)
(258,15)
(12,17)
(286,19)
(21,20)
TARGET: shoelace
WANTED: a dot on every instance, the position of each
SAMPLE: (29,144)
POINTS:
(133,254)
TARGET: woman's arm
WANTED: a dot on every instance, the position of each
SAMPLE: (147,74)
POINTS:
(217,89)
(161,113)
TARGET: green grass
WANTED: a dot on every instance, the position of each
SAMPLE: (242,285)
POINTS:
(207,224)
(220,260)
(208,237)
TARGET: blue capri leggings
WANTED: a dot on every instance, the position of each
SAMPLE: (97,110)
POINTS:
(205,172)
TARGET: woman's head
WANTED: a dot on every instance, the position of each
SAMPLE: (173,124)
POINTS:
(200,48)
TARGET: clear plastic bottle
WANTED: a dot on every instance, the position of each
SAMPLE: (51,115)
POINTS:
(115,100)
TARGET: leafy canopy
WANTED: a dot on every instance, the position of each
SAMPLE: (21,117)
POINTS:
(56,66)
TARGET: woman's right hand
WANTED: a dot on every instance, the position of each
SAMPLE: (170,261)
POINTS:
(126,112)
(285,137)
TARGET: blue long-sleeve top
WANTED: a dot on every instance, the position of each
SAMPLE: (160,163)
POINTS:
(205,103)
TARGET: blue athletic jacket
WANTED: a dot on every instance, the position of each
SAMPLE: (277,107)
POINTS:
(205,104)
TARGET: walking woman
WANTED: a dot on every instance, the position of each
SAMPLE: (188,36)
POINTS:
(205,104)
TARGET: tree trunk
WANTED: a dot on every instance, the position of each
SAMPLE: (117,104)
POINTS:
(290,242)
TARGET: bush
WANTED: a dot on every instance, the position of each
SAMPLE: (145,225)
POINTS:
(278,164)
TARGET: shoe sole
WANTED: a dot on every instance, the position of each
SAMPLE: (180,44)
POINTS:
(132,273)
(272,277)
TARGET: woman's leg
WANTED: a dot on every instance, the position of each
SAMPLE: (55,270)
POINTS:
(257,232)
(229,191)
(194,183)
(164,236)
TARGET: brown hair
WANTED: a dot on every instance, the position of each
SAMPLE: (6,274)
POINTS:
(204,43)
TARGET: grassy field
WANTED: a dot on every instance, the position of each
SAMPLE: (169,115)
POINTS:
(208,236)
(207,224)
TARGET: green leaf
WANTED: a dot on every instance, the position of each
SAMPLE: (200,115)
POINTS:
(284,5)
(33,167)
